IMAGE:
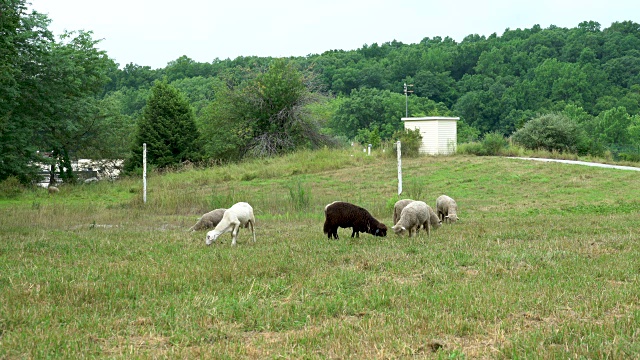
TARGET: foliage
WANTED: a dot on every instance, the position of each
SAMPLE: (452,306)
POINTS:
(366,137)
(493,143)
(612,126)
(11,187)
(466,133)
(494,83)
(552,132)
(20,34)
(54,97)
(168,128)
(410,142)
(49,94)
(264,116)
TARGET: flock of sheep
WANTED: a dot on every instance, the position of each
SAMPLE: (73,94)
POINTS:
(408,216)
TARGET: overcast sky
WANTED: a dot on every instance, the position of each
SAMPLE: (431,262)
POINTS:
(154,33)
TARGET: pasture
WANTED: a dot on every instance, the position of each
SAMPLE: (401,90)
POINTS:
(544,263)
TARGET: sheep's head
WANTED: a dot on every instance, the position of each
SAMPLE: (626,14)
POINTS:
(398,229)
(453,217)
(212,236)
(381,230)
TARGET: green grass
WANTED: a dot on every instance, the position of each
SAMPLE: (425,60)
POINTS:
(543,264)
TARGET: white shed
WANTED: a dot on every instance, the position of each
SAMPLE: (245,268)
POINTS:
(439,134)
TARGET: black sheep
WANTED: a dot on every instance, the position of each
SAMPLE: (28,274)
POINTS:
(345,215)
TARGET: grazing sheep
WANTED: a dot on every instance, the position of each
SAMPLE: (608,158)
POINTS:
(52,189)
(343,214)
(209,220)
(397,209)
(415,215)
(447,209)
(240,214)
(433,222)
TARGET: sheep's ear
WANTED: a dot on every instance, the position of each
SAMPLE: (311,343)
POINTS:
(404,228)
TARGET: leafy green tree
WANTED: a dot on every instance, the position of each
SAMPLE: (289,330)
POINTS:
(133,76)
(634,130)
(198,90)
(224,130)
(23,38)
(612,126)
(275,106)
(49,94)
(264,116)
(75,74)
(168,128)
(439,87)
(466,133)
(366,108)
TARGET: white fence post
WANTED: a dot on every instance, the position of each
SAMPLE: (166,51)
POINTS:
(369,151)
(399,168)
(144,173)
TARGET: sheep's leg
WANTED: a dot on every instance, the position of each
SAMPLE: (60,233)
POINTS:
(234,233)
(253,231)
(429,229)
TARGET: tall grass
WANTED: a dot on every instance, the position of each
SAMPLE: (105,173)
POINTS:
(542,264)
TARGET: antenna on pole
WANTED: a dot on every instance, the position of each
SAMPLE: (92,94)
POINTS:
(406,99)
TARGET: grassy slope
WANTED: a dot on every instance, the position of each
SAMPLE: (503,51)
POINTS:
(543,264)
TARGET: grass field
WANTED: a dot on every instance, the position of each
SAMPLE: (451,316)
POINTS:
(545,263)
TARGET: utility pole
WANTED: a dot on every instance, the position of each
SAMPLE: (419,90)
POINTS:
(406,99)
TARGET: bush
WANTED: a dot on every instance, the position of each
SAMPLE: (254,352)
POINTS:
(493,143)
(552,132)
(473,148)
(11,187)
(410,141)
(366,136)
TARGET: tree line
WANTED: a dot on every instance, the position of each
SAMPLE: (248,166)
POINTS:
(66,97)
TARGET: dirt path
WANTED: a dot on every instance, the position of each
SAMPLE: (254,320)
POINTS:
(575,162)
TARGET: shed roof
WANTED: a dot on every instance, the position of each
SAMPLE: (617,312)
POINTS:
(430,118)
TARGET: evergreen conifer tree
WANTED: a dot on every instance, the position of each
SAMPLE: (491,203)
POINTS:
(168,127)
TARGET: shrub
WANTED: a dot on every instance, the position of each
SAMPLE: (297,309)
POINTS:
(473,148)
(410,140)
(552,132)
(366,136)
(10,187)
(493,143)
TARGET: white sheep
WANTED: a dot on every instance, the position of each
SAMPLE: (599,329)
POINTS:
(397,209)
(240,214)
(209,220)
(415,215)
(447,209)
(433,222)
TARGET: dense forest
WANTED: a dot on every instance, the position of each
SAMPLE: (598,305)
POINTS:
(69,98)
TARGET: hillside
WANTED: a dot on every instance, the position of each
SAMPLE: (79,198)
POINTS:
(541,264)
